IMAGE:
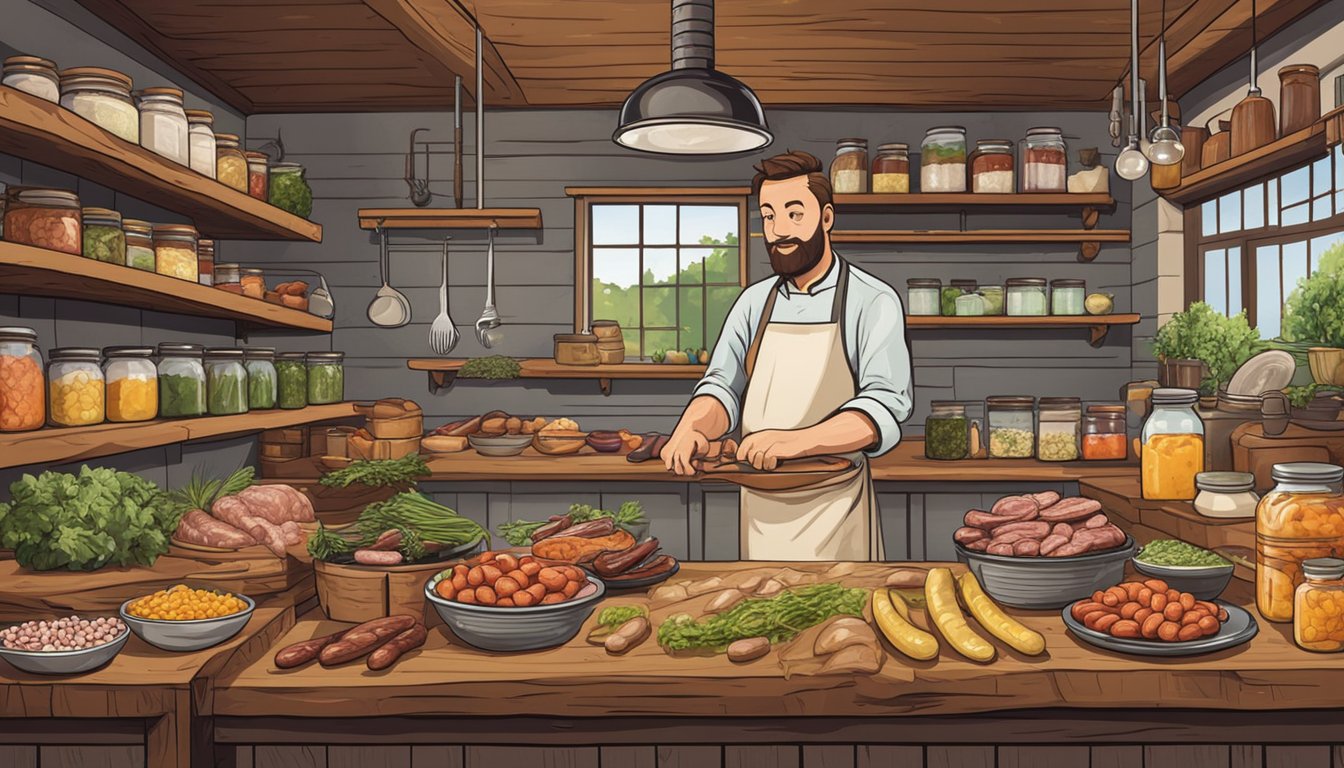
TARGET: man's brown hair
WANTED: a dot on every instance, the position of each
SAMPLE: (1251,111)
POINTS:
(790,165)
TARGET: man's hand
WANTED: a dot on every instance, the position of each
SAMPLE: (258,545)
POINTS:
(684,446)
(765,449)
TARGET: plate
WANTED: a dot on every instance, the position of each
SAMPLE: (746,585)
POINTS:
(1239,628)
(1266,371)
(647,581)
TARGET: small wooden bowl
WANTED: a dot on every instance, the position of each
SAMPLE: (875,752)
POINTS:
(559,442)
(335,462)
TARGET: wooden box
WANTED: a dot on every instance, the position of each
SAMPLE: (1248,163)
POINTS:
(287,436)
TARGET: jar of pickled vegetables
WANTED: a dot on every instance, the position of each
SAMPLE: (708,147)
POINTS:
(1318,606)
(75,387)
(1058,427)
(326,377)
(139,244)
(291,379)
(261,383)
(953,291)
(175,251)
(1011,427)
(225,382)
(1104,433)
(104,239)
(1172,445)
(258,174)
(1301,518)
(23,401)
(44,218)
(230,164)
(132,383)
(181,380)
(947,431)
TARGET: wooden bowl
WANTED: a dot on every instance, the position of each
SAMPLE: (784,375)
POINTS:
(334,463)
(1327,365)
(360,593)
(559,442)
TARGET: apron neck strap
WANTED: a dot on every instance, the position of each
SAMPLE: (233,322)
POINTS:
(837,310)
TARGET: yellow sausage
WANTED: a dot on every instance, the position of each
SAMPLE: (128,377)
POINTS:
(999,624)
(947,616)
(892,617)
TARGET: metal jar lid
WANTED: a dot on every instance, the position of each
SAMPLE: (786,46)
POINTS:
(259,353)
(101,216)
(91,354)
(1011,402)
(95,74)
(1323,568)
(328,357)
(994,145)
(1225,482)
(224,353)
(117,352)
(18,333)
(178,349)
(1174,396)
(969,284)
(297,357)
(1024,282)
(1100,409)
(158,90)
(924,282)
(894,147)
(1307,471)
(39,196)
(1068,282)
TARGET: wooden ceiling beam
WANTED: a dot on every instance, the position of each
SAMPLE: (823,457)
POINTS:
(445,30)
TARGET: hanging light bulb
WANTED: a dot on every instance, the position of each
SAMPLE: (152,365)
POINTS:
(1132,164)
(1166,147)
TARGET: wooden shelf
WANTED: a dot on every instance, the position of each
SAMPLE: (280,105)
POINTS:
(56,445)
(996,236)
(42,132)
(450,218)
(40,272)
(958,200)
(443,371)
(1281,155)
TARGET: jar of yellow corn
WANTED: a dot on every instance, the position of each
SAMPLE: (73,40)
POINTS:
(132,383)
(1172,446)
(1318,608)
(1300,519)
(182,603)
(75,387)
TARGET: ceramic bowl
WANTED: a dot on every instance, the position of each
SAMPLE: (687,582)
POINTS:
(194,635)
(1046,582)
(1327,365)
(499,445)
(1205,582)
(559,442)
(508,630)
(65,662)
(605,442)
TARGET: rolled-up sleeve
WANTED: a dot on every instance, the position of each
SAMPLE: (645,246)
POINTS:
(884,377)
(726,375)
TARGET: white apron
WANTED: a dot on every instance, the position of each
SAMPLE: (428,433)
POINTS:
(798,375)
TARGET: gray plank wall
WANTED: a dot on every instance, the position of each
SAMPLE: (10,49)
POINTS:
(356,160)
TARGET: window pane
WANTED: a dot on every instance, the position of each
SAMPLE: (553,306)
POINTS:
(1298,214)
(1321,208)
(708,224)
(721,266)
(660,266)
(660,308)
(1208,216)
(1272,206)
(693,264)
(719,301)
(1339,167)
(1321,247)
(1253,203)
(659,341)
(660,225)
(615,224)
(1229,212)
(1234,280)
(1295,186)
(1321,177)
(1215,280)
(619,266)
(1268,304)
(1294,266)
(692,308)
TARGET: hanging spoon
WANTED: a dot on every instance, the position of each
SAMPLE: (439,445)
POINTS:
(487,325)
(443,334)
(389,307)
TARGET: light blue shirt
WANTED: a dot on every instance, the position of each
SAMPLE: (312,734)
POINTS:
(874,337)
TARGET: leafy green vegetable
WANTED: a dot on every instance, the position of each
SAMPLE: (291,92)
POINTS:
(492,367)
(86,521)
(1301,397)
(614,616)
(776,618)
(377,474)
(1201,333)
(420,521)
(324,544)
(519,532)
(1314,312)
(201,493)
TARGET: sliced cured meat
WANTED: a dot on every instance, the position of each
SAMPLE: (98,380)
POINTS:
(1029,529)
(1045,498)
(978,518)
(1071,509)
(966,535)
(1016,507)
(203,530)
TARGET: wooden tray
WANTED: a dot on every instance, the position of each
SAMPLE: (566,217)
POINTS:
(788,476)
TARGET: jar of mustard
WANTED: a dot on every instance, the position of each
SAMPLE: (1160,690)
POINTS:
(75,387)
(1172,445)
(175,251)
(1318,606)
(132,383)
(1301,518)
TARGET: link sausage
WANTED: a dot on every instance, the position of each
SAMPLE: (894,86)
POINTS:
(1045,498)
(364,639)
(966,535)
(299,654)
(978,518)
(1027,548)
(377,557)
(1018,507)
(1033,529)
(1071,509)
(615,563)
(660,564)
(385,656)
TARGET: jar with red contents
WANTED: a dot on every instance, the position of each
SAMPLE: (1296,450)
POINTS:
(992,167)
(23,404)
(1104,437)
(258,174)
(44,218)
(1045,168)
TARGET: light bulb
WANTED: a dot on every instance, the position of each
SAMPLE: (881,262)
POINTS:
(1132,164)
(1166,148)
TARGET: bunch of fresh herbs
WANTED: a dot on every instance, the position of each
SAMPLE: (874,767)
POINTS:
(377,474)
(519,532)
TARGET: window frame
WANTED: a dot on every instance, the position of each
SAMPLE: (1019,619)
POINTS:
(586,197)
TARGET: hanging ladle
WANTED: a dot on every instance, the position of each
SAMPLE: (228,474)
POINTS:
(389,307)
(487,325)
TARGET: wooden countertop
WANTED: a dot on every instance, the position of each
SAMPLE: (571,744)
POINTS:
(448,678)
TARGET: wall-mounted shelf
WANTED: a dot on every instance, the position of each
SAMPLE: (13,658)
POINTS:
(449,218)
(1089,240)
(443,371)
(1281,155)
(56,445)
(40,272)
(954,201)
(42,132)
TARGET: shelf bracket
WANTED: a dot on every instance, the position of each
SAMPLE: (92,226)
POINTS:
(1090,217)
(1088,250)
(1097,334)
(605,386)
(441,380)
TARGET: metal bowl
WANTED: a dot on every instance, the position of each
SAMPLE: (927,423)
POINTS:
(188,635)
(503,629)
(1205,582)
(499,445)
(65,662)
(1046,582)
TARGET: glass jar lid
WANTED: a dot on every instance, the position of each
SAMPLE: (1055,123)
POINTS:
(103,216)
(17,333)
(1175,396)
(893,148)
(1025,282)
(1225,482)
(178,349)
(1011,402)
(200,117)
(326,357)
(259,353)
(76,354)
(924,282)
(40,196)
(1308,471)
(123,352)
(1323,568)
(295,356)
(1068,282)
(224,353)
(77,76)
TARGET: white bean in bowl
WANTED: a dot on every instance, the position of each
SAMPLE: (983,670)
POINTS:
(67,634)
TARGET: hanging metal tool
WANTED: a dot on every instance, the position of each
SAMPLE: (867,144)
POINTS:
(419,194)
(457,141)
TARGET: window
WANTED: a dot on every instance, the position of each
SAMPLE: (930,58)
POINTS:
(666,267)
(1253,245)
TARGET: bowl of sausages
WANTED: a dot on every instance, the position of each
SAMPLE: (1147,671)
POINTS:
(1039,550)
(507,602)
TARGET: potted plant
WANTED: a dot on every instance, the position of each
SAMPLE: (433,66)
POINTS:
(1314,314)
(1201,348)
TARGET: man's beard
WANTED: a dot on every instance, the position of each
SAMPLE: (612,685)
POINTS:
(804,257)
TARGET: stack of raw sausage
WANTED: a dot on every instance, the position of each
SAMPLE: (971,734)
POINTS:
(382,640)
(1150,610)
(1039,525)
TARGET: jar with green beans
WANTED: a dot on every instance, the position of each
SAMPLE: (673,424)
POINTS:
(947,431)
(181,381)
(326,377)
(261,383)
(226,382)
(104,239)
(291,377)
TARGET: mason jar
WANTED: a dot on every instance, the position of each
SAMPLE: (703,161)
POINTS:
(1045,167)
(291,377)
(163,124)
(1301,518)
(1059,423)
(849,169)
(1012,426)
(33,75)
(923,296)
(942,160)
(1318,606)
(181,380)
(103,97)
(139,244)
(230,163)
(1172,445)
(44,218)
(132,383)
(23,397)
(992,167)
(289,190)
(1025,297)
(1067,296)
(947,431)
(326,377)
(225,382)
(258,174)
(262,387)
(891,169)
(201,147)
(103,238)
(75,387)
(175,251)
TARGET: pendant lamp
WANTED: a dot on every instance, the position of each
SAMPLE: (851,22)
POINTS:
(1166,147)
(692,109)
(1132,164)
(1253,123)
